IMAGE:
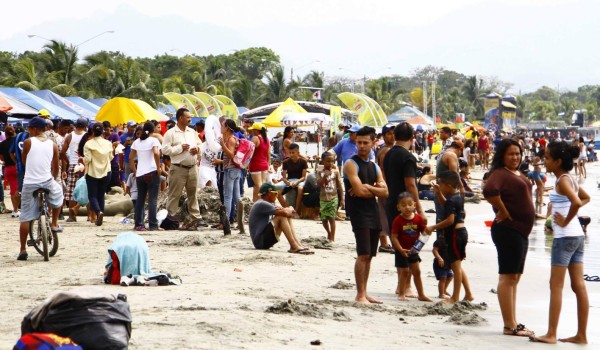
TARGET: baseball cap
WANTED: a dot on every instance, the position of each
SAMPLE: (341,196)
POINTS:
(355,128)
(257,126)
(131,123)
(387,127)
(37,122)
(267,187)
(81,123)
(44,113)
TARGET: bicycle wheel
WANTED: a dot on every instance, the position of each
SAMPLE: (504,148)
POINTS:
(52,242)
(38,234)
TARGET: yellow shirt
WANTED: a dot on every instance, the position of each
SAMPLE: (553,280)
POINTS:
(97,154)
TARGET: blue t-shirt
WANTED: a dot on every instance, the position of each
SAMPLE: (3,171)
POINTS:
(127,149)
(346,149)
(17,149)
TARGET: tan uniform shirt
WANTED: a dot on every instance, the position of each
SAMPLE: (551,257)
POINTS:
(173,141)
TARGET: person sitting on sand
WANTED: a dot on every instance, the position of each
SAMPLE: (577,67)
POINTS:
(267,222)
(406,228)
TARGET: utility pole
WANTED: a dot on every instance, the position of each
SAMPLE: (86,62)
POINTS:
(424,97)
(433,110)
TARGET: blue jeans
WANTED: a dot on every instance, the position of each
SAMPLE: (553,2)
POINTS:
(96,191)
(231,191)
(147,184)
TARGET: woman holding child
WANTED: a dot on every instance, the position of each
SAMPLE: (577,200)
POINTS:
(515,215)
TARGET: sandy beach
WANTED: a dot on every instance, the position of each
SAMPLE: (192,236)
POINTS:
(235,297)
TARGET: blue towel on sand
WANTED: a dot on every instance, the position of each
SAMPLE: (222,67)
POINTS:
(132,250)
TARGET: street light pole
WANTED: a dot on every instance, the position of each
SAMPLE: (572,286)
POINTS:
(302,66)
(94,37)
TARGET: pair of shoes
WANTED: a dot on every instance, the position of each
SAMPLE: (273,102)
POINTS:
(57,229)
(99,219)
(201,223)
(22,256)
(15,214)
(386,249)
(140,228)
(519,331)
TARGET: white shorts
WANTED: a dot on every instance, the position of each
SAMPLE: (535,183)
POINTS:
(206,174)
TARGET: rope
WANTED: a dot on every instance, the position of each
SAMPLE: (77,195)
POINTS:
(591,278)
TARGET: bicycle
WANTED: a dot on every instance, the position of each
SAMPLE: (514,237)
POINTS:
(40,232)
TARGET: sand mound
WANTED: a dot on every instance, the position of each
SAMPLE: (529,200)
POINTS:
(291,307)
(191,240)
(342,285)
(461,313)
(318,242)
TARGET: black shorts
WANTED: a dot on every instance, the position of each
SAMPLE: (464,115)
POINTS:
(456,241)
(402,262)
(367,241)
(266,239)
(512,249)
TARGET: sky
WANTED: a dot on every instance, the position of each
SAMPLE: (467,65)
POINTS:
(530,43)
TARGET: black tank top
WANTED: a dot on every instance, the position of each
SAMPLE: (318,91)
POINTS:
(363,212)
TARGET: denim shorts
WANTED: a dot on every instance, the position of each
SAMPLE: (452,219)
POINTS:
(567,251)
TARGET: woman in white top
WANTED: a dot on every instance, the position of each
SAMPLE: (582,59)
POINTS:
(582,158)
(147,151)
(567,246)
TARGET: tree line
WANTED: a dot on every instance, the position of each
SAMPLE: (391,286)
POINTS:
(255,76)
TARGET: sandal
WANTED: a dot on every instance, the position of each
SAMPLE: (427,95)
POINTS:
(519,331)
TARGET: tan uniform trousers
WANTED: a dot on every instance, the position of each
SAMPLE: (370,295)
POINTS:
(181,178)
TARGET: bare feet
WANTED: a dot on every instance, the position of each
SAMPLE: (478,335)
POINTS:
(541,339)
(410,294)
(576,339)
(402,298)
(362,301)
(449,301)
(425,298)
(445,296)
(469,298)
(373,300)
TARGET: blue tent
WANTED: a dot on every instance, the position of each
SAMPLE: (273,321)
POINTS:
(98,101)
(39,103)
(405,113)
(63,103)
(84,104)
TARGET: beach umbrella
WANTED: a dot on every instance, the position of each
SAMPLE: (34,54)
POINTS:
(64,103)
(289,106)
(120,110)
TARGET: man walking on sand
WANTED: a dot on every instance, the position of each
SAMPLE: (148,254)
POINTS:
(363,181)
(182,144)
(267,222)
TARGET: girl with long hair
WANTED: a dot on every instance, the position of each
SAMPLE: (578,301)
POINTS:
(147,150)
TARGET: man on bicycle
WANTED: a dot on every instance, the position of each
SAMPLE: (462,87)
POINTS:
(40,172)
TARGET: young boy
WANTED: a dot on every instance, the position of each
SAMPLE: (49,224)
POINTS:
(536,177)
(131,188)
(330,183)
(406,229)
(455,233)
(442,272)
(294,173)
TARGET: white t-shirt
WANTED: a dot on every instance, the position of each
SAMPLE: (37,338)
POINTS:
(145,156)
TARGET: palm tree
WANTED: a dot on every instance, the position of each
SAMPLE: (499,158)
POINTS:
(27,77)
(276,88)
(62,58)
(474,92)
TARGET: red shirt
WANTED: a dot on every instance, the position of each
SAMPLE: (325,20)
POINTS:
(483,144)
(542,142)
(430,139)
(408,230)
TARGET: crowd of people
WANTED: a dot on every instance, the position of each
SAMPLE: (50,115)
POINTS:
(377,179)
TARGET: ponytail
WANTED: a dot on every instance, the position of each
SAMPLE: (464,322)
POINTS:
(147,130)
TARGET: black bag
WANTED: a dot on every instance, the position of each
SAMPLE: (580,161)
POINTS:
(311,199)
(91,323)
(170,223)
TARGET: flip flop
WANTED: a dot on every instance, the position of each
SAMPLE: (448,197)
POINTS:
(23,256)
(99,219)
(303,251)
(57,229)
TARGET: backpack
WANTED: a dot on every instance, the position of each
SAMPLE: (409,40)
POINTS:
(243,153)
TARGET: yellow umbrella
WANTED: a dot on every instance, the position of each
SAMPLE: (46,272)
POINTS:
(120,110)
(289,106)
